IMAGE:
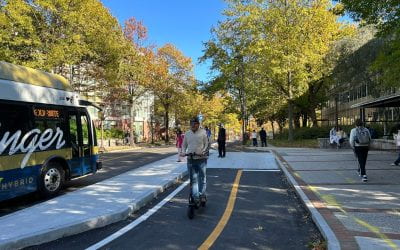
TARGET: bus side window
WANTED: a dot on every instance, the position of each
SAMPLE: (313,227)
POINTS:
(73,134)
(13,118)
(85,129)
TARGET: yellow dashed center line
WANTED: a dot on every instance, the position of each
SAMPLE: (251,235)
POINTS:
(225,217)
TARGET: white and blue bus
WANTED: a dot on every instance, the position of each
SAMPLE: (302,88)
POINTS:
(46,134)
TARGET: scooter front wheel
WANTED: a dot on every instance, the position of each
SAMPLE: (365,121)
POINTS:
(190,212)
(203,201)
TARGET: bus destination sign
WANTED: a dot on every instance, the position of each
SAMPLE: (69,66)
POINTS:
(46,113)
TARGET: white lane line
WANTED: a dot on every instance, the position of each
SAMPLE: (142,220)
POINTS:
(138,220)
(261,170)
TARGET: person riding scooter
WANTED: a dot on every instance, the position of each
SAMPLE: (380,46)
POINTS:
(196,144)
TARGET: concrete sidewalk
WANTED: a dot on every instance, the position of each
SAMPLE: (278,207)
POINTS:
(349,213)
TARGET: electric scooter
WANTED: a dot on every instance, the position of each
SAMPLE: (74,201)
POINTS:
(193,205)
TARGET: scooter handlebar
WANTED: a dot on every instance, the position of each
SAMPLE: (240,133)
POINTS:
(194,154)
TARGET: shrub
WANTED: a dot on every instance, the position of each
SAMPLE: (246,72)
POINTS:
(323,132)
(112,133)
(378,129)
(305,133)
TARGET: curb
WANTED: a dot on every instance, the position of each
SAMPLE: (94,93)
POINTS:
(81,226)
(123,150)
(327,233)
(128,149)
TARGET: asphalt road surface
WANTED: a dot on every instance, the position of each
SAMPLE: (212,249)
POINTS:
(266,214)
(114,163)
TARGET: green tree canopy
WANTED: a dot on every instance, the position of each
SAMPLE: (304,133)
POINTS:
(280,46)
(385,15)
(52,35)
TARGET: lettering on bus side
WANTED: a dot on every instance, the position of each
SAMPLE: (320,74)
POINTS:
(21,182)
(38,140)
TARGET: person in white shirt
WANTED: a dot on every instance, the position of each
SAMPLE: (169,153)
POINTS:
(332,136)
(396,137)
(196,146)
(254,138)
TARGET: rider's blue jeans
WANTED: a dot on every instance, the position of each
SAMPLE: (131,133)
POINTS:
(197,174)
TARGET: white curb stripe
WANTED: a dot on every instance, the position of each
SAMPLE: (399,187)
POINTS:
(138,220)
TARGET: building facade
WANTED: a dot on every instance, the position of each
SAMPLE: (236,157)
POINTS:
(356,90)
(117,115)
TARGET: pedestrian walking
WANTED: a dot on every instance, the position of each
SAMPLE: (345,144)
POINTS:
(126,136)
(221,141)
(360,139)
(196,144)
(396,137)
(179,141)
(208,132)
(254,138)
(263,137)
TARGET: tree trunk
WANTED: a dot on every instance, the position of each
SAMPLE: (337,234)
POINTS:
(102,135)
(132,130)
(296,120)
(166,125)
(152,129)
(243,112)
(243,132)
(305,119)
(313,116)
(290,113)
(280,127)
(290,104)
(273,129)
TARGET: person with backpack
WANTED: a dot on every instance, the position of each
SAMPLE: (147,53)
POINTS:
(360,138)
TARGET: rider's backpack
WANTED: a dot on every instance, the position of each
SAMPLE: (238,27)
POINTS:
(362,136)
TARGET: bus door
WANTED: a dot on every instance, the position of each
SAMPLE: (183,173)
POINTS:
(80,139)
(89,165)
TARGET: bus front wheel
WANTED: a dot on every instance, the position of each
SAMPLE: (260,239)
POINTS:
(52,179)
